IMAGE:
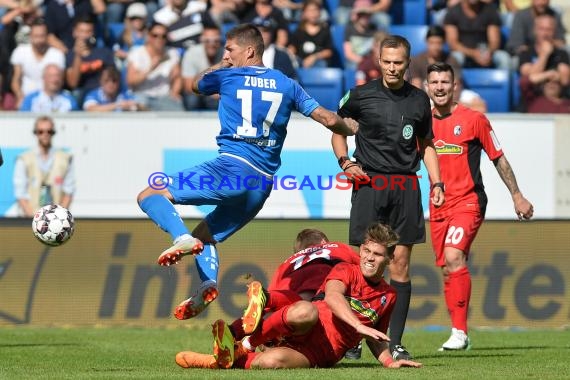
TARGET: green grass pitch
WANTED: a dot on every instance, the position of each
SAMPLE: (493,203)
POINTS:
(145,353)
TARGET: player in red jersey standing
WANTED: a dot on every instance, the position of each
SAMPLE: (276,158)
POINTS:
(459,135)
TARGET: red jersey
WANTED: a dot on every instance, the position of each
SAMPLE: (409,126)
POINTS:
(327,342)
(458,139)
(307,269)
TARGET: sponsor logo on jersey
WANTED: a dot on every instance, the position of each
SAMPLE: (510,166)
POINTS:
(441,147)
(408,131)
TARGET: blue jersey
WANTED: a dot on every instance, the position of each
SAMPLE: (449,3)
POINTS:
(255,106)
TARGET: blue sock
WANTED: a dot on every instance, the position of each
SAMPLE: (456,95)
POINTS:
(207,263)
(163,213)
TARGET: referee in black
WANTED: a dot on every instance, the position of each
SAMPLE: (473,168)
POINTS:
(395,134)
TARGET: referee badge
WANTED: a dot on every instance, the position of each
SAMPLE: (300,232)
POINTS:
(408,131)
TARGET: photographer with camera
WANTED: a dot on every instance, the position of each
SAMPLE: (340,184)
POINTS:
(85,62)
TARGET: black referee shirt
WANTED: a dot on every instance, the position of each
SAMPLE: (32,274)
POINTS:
(390,122)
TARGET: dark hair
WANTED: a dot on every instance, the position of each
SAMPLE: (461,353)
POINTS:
(435,31)
(112,72)
(247,34)
(395,41)
(84,19)
(40,21)
(309,237)
(154,24)
(441,67)
(382,234)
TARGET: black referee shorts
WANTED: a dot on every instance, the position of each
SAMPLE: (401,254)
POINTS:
(392,199)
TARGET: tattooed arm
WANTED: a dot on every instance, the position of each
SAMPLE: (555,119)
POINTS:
(523,208)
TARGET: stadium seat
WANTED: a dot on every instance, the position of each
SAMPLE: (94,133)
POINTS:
(492,84)
(325,85)
(331,6)
(408,12)
(415,34)
(349,79)
(337,33)
(115,30)
(515,92)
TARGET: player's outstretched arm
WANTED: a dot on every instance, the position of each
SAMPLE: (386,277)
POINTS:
(381,351)
(523,208)
(344,127)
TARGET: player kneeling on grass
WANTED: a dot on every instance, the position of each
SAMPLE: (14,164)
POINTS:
(353,302)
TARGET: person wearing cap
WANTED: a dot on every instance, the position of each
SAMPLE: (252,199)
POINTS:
(274,56)
(135,31)
(118,10)
(435,42)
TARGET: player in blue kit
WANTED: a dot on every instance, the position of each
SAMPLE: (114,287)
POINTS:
(256,103)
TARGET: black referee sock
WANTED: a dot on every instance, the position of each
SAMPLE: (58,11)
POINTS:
(400,312)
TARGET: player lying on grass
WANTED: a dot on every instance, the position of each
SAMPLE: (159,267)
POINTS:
(353,302)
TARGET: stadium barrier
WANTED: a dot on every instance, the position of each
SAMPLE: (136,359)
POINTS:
(107,274)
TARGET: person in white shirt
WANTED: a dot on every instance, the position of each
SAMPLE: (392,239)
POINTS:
(29,60)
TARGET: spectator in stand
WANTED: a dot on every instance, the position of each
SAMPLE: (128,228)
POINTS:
(174,10)
(542,93)
(108,97)
(521,36)
(439,8)
(378,9)
(274,56)
(312,42)
(116,9)
(52,98)
(185,22)
(134,32)
(543,55)
(264,9)
(291,9)
(85,62)
(358,37)
(509,8)
(61,18)
(15,31)
(197,59)
(224,11)
(473,31)
(435,41)
(28,62)
(369,68)
(153,72)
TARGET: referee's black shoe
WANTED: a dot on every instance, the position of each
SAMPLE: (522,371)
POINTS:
(399,352)
(354,353)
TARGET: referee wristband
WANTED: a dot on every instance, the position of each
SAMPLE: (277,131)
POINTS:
(342,160)
(440,185)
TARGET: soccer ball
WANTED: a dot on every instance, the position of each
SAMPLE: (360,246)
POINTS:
(53,225)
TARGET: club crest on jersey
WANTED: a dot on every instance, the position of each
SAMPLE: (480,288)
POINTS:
(408,131)
(457,130)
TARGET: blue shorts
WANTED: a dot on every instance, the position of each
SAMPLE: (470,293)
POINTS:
(238,191)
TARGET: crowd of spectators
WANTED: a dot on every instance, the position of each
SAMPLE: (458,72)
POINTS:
(163,44)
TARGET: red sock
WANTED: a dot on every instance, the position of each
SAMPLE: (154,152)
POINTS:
(272,327)
(237,329)
(460,294)
(281,298)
